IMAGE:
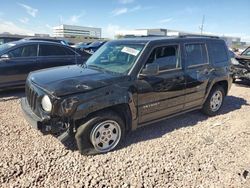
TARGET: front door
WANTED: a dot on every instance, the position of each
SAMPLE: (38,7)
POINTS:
(162,94)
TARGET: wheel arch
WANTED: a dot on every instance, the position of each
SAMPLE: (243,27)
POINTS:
(223,84)
(123,110)
(214,83)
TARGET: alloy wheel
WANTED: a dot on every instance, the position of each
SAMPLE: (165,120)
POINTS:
(216,101)
(106,135)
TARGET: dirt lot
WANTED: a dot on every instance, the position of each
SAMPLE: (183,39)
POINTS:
(187,151)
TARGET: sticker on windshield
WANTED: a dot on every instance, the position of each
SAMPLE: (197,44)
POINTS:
(130,51)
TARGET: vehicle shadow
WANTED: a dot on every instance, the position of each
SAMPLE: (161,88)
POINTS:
(157,130)
(12,94)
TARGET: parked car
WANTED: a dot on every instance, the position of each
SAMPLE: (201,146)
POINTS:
(18,59)
(246,52)
(6,39)
(83,53)
(241,65)
(48,39)
(127,84)
(91,48)
(71,43)
(81,45)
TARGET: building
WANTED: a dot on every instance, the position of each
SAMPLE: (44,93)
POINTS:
(7,37)
(169,32)
(73,31)
(142,32)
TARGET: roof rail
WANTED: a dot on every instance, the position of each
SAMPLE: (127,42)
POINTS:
(206,36)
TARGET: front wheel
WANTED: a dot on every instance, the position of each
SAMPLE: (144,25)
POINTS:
(101,133)
(214,101)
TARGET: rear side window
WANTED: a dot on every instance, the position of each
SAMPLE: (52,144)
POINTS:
(166,57)
(51,50)
(196,54)
(24,51)
(218,52)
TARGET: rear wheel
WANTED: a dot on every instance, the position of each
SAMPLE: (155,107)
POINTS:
(103,132)
(214,101)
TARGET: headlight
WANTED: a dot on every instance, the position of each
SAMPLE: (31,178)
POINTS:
(46,103)
(234,61)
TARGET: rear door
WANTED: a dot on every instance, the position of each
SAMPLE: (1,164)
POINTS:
(52,55)
(21,61)
(197,73)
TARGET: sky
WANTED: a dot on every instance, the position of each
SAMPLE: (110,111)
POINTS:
(222,17)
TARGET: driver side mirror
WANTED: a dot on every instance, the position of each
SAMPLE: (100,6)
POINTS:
(5,56)
(151,69)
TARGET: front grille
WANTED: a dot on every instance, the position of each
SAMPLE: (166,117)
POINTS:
(31,97)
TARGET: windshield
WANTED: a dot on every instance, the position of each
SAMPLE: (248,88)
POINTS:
(116,58)
(6,46)
(246,52)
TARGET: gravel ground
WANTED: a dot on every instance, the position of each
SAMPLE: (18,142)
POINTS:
(186,151)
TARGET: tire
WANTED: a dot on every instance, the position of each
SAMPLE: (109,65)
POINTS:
(101,133)
(214,101)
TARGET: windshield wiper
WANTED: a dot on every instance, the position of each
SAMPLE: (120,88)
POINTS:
(101,68)
(96,67)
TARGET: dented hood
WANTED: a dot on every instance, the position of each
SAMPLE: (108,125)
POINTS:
(67,80)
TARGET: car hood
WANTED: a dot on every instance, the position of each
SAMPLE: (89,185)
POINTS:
(65,80)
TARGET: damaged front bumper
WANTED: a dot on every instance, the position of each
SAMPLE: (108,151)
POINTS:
(240,73)
(45,125)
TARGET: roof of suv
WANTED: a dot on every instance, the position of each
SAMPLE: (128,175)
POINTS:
(155,39)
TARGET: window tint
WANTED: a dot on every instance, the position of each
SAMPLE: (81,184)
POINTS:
(218,52)
(166,57)
(25,51)
(196,54)
(51,50)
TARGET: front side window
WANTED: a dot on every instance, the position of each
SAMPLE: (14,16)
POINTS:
(24,51)
(116,58)
(196,54)
(246,52)
(167,57)
(51,50)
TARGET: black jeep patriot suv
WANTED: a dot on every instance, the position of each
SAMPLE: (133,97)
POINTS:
(126,84)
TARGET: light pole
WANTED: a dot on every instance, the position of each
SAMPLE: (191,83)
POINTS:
(202,25)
